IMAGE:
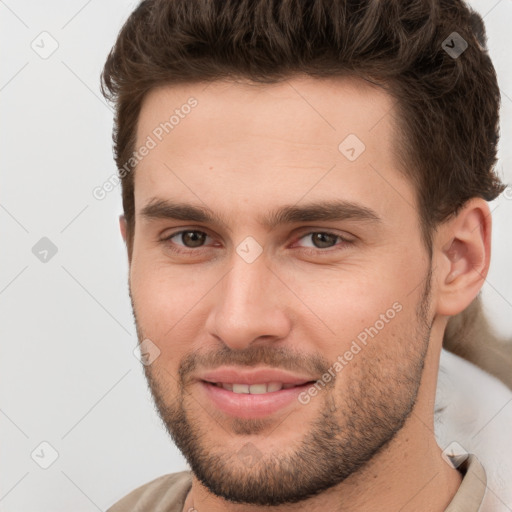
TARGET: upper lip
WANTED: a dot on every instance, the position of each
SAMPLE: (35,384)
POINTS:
(231,375)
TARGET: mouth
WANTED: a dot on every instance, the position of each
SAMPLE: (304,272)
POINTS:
(257,400)
(258,389)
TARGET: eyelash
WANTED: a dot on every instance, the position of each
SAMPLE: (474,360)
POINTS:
(306,250)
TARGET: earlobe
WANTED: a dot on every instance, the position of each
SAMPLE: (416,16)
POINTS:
(463,257)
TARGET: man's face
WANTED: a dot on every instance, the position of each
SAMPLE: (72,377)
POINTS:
(306,296)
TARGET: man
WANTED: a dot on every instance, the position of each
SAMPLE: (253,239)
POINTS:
(305,190)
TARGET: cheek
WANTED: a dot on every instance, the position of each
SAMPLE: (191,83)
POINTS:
(378,353)
(370,325)
(170,305)
(371,306)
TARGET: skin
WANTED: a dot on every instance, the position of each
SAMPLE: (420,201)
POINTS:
(366,441)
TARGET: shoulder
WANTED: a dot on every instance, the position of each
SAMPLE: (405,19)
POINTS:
(473,414)
(468,396)
(472,490)
(166,493)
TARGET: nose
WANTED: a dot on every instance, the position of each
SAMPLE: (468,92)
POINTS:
(250,305)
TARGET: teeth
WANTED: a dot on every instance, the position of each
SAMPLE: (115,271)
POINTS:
(241,388)
(256,389)
(274,386)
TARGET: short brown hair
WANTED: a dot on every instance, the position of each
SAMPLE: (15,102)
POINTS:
(448,108)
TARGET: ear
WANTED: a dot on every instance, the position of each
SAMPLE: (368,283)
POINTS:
(122,227)
(462,250)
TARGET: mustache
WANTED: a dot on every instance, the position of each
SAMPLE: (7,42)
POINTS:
(279,357)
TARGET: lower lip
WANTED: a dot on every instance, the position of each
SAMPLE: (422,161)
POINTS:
(246,405)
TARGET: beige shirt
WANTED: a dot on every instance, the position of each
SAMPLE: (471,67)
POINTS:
(168,493)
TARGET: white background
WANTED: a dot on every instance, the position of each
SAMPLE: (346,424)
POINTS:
(69,376)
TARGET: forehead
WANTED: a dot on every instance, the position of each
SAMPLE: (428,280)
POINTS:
(252,143)
(333,108)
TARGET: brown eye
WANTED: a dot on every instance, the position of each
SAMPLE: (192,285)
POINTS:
(186,239)
(321,239)
(193,238)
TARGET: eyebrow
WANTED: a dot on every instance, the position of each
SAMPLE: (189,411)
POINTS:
(333,210)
